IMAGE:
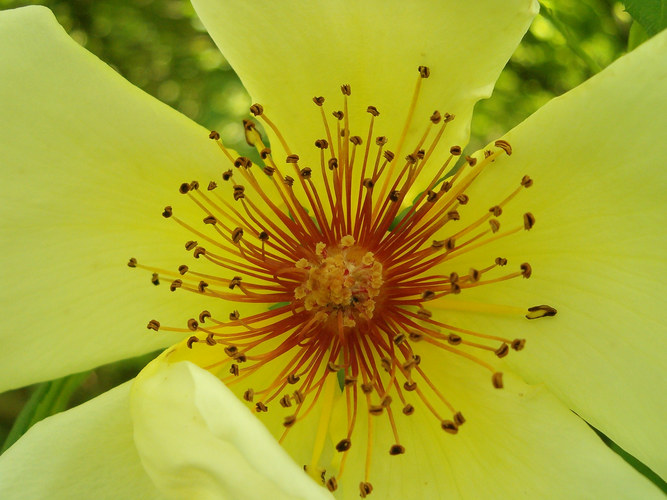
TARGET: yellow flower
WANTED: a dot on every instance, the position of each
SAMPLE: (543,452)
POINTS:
(89,161)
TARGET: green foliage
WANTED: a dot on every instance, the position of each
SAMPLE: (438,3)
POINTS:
(651,14)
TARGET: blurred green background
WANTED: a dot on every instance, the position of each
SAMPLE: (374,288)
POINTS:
(161,47)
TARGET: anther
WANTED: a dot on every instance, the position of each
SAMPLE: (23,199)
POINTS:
(234,316)
(399,338)
(411,159)
(356,140)
(502,351)
(298,397)
(268,170)
(285,401)
(338,114)
(333,367)
(526,181)
(504,145)
(474,274)
(450,243)
(292,378)
(289,421)
(496,210)
(409,386)
(386,401)
(257,109)
(381,140)
(235,281)
(199,251)
(193,325)
(431,196)
(210,220)
(305,173)
(321,144)
(424,313)
(237,234)
(234,369)
(449,426)
(428,295)
(264,236)
(497,380)
(239,192)
(264,153)
(386,363)
(203,316)
(416,336)
(155,279)
(487,153)
(453,215)
(463,199)
(526,270)
(446,186)
(518,344)
(349,381)
(292,159)
(167,212)
(260,407)
(194,185)
(459,419)
(227,175)
(249,395)
(396,449)
(424,71)
(153,325)
(436,117)
(471,161)
(495,225)
(395,196)
(375,410)
(372,110)
(184,188)
(540,311)
(368,183)
(332,484)
(365,489)
(366,388)
(454,339)
(388,155)
(421,153)
(132,262)
(455,150)
(288,180)
(214,135)
(192,340)
(243,161)
(449,117)
(333,163)
(408,409)
(211,186)
(501,261)
(175,284)
(343,445)
(202,286)
(528,221)
(318,100)
(346,89)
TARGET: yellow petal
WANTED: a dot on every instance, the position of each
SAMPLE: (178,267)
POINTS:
(597,250)
(88,163)
(518,442)
(197,440)
(86,452)
(288,52)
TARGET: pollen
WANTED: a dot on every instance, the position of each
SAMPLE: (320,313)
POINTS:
(349,274)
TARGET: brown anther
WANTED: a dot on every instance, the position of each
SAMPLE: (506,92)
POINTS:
(526,270)
(386,363)
(263,236)
(471,161)
(321,144)
(375,410)
(408,409)
(463,199)
(227,175)
(449,117)
(453,215)
(288,181)
(211,185)
(155,279)
(264,153)
(214,135)
(167,212)
(399,338)
(132,262)
(446,186)
(367,388)
(436,117)
(203,316)
(368,183)
(395,196)
(487,153)
(260,407)
(194,185)
(345,89)
(495,225)
(298,397)
(184,188)
(504,145)
(289,421)
(333,163)
(318,100)
(416,336)
(372,110)
(455,150)
(455,288)
(409,386)
(343,445)
(502,351)
(528,221)
(268,170)
(285,401)
(438,244)
(496,210)
(381,140)
(431,196)
(239,194)
(199,251)
(202,286)
(388,155)
(338,114)
(234,315)
(409,364)
(237,234)
(474,274)
(396,449)
(518,344)
(347,381)
(424,71)
(356,140)
(333,367)
(424,313)
(411,159)
(453,277)
(450,243)
(305,173)
(501,261)
(242,161)
(449,426)
(234,369)
(386,401)
(193,325)
(257,109)
(292,378)
(459,419)
(292,159)
(332,484)
(210,340)
(191,341)
(175,284)
(210,220)
(428,295)
(454,339)
(497,380)
(153,325)
(526,181)
(235,281)
(249,395)
(540,311)
(365,489)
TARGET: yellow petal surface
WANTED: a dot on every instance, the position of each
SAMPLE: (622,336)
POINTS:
(597,250)
(288,52)
(197,440)
(88,164)
(517,442)
(87,452)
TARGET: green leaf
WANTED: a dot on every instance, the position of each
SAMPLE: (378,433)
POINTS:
(48,399)
(651,14)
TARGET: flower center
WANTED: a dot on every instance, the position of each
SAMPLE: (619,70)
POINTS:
(349,277)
